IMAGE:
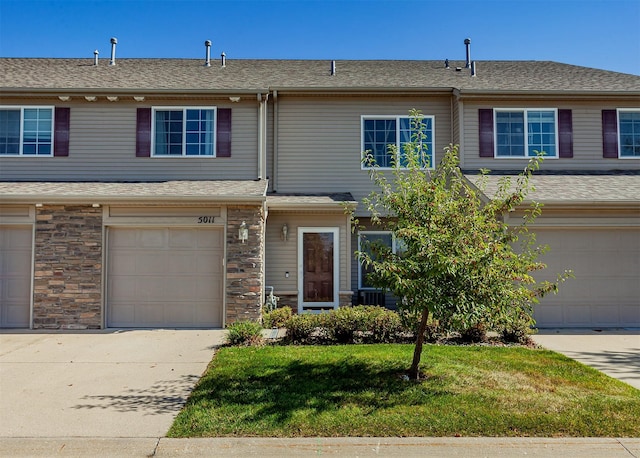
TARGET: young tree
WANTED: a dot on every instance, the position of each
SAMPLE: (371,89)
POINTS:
(460,262)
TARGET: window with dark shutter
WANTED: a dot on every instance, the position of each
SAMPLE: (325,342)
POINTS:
(565,133)
(143,132)
(61,132)
(609,134)
(485,122)
(223,133)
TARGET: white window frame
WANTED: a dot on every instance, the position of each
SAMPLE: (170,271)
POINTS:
(184,131)
(526,133)
(31,107)
(336,269)
(394,248)
(618,111)
(397,118)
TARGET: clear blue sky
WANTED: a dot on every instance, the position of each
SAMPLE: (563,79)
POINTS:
(603,34)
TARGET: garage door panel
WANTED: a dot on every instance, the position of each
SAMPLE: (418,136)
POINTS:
(151,238)
(182,238)
(175,282)
(606,287)
(205,265)
(205,287)
(124,264)
(605,315)
(181,262)
(630,314)
(122,239)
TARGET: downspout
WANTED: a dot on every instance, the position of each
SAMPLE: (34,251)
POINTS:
(262,135)
(461,130)
(274,178)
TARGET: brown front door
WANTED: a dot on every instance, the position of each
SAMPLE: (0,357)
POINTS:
(318,268)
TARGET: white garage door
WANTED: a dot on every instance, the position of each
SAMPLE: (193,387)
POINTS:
(15,276)
(165,277)
(606,289)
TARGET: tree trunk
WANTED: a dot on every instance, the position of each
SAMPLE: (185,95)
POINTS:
(414,371)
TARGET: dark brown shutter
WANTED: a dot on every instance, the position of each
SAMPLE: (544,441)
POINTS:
(223,133)
(143,132)
(485,122)
(609,134)
(565,133)
(61,132)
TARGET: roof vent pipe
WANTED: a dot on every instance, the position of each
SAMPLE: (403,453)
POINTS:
(95,57)
(446,63)
(207,61)
(114,42)
(467,43)
(333,68)
(473,68)
(223,60)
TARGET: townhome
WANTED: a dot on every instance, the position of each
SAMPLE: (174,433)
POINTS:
(178,192)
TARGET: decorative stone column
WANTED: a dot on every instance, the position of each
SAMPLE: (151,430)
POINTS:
(245,269)
(68,267)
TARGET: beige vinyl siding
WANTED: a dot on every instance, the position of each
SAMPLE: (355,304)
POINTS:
(282,256)
(102,147)
(319,139)
(587,137)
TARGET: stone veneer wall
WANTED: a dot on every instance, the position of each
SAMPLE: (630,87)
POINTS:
(68,267)
(245,272)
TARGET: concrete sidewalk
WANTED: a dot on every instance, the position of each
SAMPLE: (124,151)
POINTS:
(98,384)
(616,352)
(343,447)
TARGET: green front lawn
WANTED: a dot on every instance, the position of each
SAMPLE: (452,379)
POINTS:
(358,390)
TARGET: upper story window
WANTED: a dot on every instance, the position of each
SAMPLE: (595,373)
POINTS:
(378,132)
(522,132)
(26,131)
(184,131)
(629,133)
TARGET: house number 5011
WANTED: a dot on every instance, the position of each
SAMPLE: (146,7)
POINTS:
(206,219)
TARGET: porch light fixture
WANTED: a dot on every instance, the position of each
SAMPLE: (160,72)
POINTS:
(285,232)
(90,98)
(234,99)
(138,98)
(243,232)
(64,98)
(112,98)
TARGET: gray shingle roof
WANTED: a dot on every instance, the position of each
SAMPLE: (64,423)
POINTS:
(575,189)
(99,192)
(190,75)
(334,201)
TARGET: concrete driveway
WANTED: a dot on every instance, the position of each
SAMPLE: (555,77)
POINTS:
(99,384)
(616,352)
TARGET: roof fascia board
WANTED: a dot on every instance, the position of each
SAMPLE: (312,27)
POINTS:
(147,92)
(535,94)
(362,90)
(131,199)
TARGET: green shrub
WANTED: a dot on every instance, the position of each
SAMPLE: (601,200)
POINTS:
(474,334)
(518,331)
(382,325)
(300,328)
(344,324)
(244,333)
(277,318)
